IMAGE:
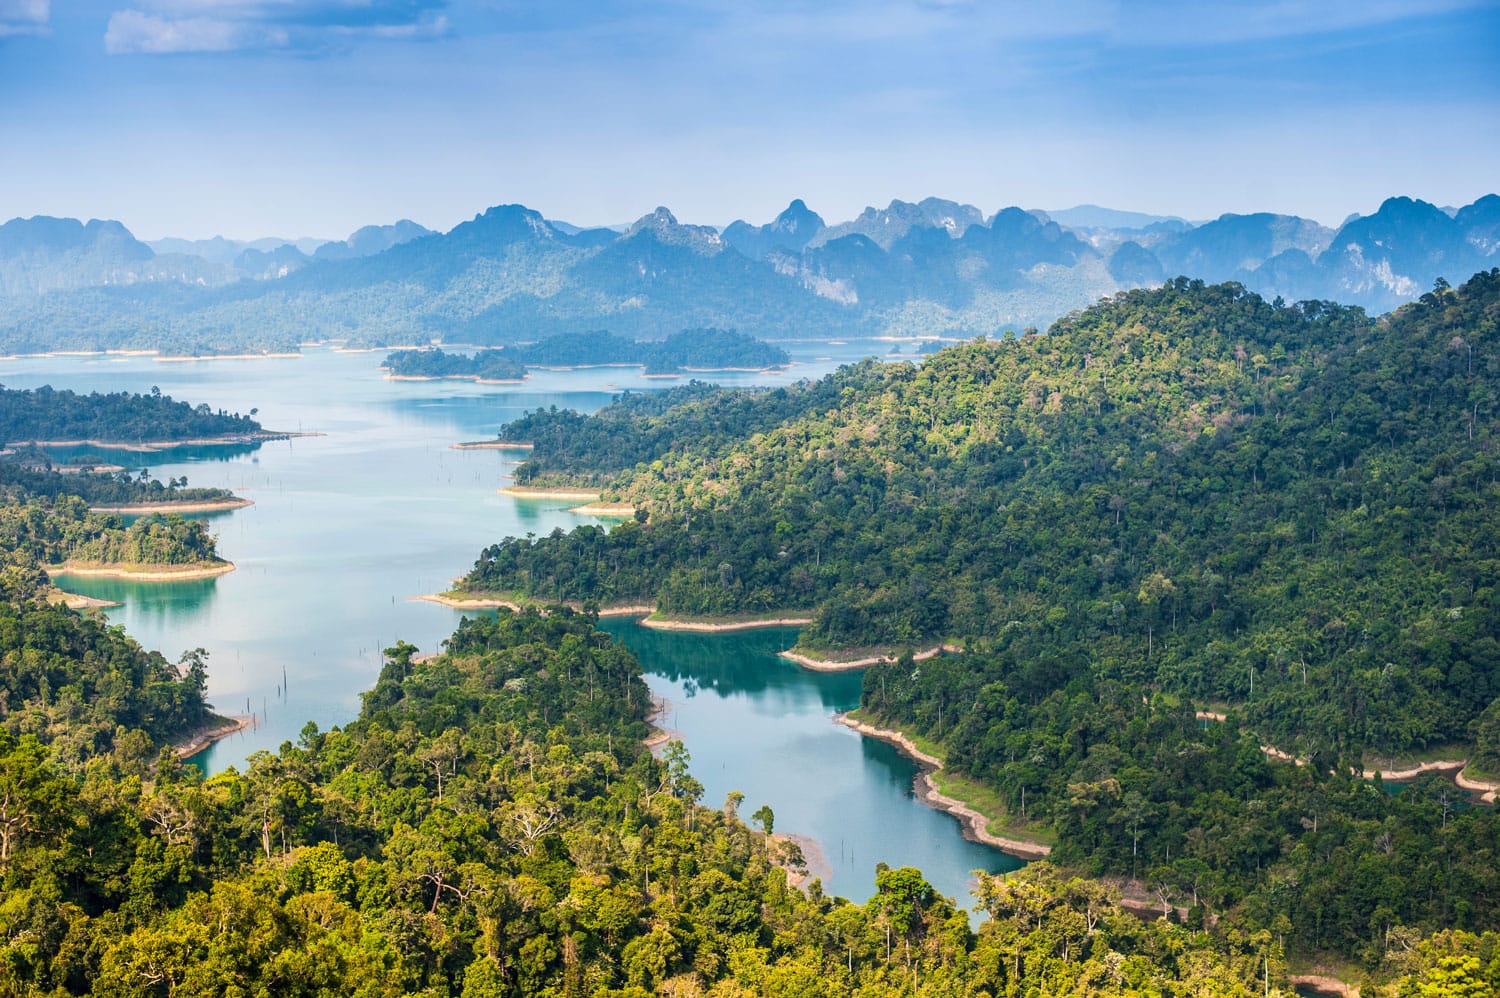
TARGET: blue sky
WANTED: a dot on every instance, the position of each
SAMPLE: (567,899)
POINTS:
(312,117)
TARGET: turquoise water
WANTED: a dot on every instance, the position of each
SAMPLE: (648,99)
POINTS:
(350,525)
(757,723)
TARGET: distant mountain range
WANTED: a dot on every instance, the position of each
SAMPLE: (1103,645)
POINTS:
(930,268)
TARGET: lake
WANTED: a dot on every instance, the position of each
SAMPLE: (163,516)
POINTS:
(350,525)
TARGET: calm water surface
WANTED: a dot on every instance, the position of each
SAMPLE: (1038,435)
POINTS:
(349,525)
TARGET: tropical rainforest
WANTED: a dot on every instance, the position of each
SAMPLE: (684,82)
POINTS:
(491,825)
(1286,507)
(44,414)
(31,472)
(1180,498)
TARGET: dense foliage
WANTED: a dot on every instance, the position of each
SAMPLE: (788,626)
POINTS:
(491,826)
(62,530)
(1136,786)
(1188,488)
(83,688)
(698,349)
(483,365)
(641,427)
(116,417)
(37,477)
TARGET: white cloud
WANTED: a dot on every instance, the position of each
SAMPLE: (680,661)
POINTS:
(24,17)
(131,31)
(166,26)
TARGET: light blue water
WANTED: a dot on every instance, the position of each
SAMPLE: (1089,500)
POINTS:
(350,525)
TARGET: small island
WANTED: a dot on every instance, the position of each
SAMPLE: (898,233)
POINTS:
(120,420)
(688,350)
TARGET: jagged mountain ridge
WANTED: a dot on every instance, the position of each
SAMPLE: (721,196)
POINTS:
(934,267)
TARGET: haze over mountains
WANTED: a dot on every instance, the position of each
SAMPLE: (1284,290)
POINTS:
(930,268)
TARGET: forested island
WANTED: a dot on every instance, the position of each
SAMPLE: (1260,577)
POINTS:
(115,419)
(46,524)
(482,366)
(1180,498)
(690,349)
(31,472)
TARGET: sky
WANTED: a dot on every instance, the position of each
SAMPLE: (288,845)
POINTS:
(252,118)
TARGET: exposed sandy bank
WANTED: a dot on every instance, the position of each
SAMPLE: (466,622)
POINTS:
(469,603)
(228,356)
(844,665)
(660,734)
(204,737)
(1323,984)
(490,445)
(723,626)
(77,601)
(143,573)
(974,824)
(522,492)
(455,377)
(815,863)
(177,506)
(604,509)
(152,446)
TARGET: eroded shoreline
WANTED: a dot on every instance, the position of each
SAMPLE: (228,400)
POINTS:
(155,446)
(846,665)
(143,573)
(974,825)
(177,506)
(206,736)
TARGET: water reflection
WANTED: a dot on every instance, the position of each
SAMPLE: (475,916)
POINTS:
(756,723)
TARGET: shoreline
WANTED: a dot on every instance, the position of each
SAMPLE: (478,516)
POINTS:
(177,506)
(78,601)
(455,377)
(1324,985)
(722,627)
(1486,791)
(974,825)
(641,610)
(142,573)
(604,509)
(660,734)
(848,665)
(522,492)
(206,736)
(82,353)
(460,603)
(490,445)
(154,446)
(815,861)
(227,356)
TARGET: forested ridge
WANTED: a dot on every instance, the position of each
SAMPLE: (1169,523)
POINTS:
(83,689)
(1186,488)
(1181,496)
(640,427)
(114,417)
(491,825)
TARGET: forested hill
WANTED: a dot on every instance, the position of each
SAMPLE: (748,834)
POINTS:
(116,417)
(640,427)
(1186,487)
(491,827)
